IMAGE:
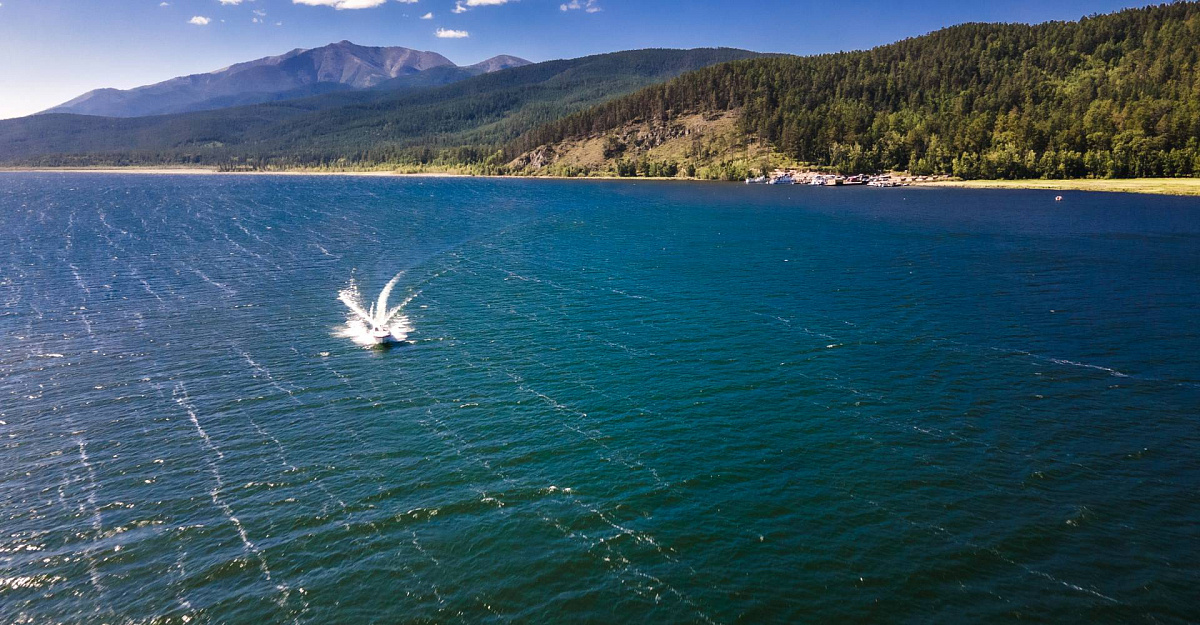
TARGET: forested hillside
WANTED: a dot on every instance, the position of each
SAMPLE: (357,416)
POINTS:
(1109,96)
(464,123)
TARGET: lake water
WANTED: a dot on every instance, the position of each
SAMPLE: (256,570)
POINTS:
(616,402)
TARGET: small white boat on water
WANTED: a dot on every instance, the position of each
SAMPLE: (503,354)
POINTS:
(382,336)
(378,325)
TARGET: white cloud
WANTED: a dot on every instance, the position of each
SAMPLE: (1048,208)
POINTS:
(427,16)
(260,12)
(231,1)
(443,33)
(164,4)
(588,6)
(342,4)
(199,20)
(461,6)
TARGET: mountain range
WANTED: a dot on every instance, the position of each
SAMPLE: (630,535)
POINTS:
(1115,95)
(444,113)
(299,73)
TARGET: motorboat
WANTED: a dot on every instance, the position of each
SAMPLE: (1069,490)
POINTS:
(382,336)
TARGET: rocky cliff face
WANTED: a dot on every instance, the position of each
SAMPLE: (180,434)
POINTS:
(696,145)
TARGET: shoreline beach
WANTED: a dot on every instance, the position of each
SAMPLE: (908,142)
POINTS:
(1187,187)
(1153,186)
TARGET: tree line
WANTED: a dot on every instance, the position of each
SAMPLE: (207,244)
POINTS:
(1108,96)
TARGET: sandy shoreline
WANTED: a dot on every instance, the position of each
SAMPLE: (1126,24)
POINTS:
(1153,186)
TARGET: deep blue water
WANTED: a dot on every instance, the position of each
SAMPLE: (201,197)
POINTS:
(618,402)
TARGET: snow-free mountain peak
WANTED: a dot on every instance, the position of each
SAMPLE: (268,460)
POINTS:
(302,72)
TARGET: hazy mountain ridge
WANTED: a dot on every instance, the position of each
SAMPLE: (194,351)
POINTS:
(497,63)
(295,74)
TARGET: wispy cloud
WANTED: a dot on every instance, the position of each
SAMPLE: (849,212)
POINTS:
(427,16)
(461,6)
(342,4)
(199,20)
(445,33)
(588,6)
(231,1)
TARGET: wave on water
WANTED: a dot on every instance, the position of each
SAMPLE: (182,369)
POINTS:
(362,322)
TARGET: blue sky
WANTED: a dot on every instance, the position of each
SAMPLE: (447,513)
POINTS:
(58,49)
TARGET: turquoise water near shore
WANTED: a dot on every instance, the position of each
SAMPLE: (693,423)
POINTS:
(618,402)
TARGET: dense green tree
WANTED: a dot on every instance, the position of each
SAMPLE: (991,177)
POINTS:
(1110,96)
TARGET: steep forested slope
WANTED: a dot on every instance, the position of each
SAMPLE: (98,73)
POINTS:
(1113,95)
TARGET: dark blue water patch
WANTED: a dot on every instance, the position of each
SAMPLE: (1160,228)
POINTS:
(617,402)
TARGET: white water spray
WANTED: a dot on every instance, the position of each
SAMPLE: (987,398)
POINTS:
(363,323)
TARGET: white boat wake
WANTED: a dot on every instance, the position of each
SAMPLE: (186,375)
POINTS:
(377,325)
